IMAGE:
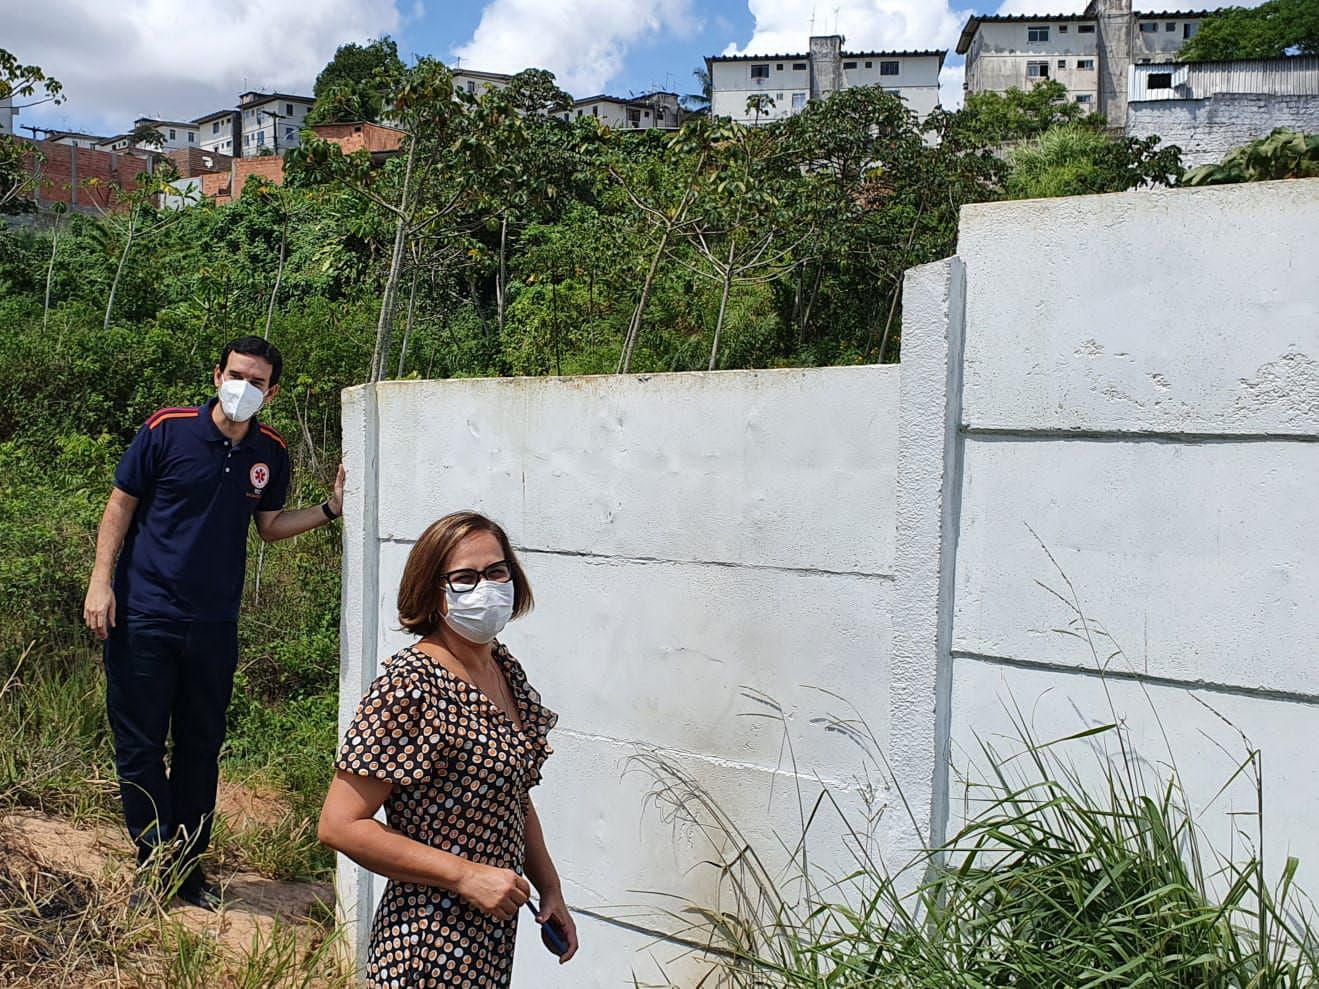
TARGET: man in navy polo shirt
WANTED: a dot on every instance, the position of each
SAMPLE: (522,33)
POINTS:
(184,494)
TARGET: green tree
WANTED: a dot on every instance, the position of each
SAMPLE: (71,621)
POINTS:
(1274,29)
(353,85)
(995,119)
(24,86)
(1075,160)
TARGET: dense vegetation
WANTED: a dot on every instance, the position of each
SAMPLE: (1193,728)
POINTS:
(1274,29)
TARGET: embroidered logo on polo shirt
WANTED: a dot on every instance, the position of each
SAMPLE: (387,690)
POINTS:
(259,475)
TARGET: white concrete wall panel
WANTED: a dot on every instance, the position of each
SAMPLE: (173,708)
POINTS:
(688,537)
(742,467)
(1200,732)
(1182,310)
(1197,558)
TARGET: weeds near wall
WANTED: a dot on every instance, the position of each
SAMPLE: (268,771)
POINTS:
(1062,874)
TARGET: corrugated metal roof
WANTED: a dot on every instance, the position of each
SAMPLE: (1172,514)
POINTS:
(1297,76)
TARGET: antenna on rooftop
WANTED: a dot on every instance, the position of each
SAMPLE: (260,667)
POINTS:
(812,20)
(837,8)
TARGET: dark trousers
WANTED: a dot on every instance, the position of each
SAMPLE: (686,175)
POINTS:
(163,678)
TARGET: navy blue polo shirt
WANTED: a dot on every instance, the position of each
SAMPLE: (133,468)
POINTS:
(186,551)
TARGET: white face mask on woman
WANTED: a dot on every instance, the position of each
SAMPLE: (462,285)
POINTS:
(480,614)
(240,399)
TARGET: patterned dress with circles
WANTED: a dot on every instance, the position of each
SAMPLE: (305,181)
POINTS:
(461,771)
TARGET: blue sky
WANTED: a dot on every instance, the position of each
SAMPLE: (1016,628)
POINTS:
(163,59)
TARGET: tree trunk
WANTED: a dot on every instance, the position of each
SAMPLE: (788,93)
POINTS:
(385,324)
(407,326)
(50,273)
(501,285)
(634,327)
(723,301)
(114,285)
(279,273)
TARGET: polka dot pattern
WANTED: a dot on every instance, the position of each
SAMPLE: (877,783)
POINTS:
(461,771)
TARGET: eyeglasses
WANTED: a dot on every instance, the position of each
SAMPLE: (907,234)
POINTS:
(462,581)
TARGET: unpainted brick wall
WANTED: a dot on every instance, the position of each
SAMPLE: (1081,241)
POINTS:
(270,167)
(82,176)
(1206,130)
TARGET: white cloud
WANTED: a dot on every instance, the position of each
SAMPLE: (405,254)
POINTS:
(172,60)
(784,26)
(583,42)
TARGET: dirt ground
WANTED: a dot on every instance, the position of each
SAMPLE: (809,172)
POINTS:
(85,856)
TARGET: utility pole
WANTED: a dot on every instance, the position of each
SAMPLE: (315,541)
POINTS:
(33,130)
(275,117)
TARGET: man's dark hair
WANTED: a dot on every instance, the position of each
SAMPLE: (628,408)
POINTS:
(255,347)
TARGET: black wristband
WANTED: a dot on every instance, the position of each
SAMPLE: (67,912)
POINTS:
(329,512)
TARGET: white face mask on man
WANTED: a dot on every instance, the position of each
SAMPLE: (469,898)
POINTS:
(480,614)
(240,399)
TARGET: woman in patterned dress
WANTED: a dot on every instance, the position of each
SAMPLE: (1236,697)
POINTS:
(449,740)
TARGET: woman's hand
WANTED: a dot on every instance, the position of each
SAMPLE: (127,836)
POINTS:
(555,911)
(498,892)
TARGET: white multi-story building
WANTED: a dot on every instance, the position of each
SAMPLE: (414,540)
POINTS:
(7,114)
(650,110)
(270,122)
(1089,53)
(219,132)
(475,83)
(759,88)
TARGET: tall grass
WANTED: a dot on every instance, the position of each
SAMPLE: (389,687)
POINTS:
(1078,862)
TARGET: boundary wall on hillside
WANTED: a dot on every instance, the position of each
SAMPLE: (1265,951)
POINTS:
(1111,401)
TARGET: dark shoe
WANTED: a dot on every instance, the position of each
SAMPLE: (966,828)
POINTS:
(197,892)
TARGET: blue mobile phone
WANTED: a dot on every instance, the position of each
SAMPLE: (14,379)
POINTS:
(550,935)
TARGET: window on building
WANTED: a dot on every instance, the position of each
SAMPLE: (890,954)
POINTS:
(172,135)
(260,138)
(1148,27)
(595,111)
(798,100)
(1037,70)
(1085,63)
(778,67)
(760,71)
(288,109)
(192,138)
(634,116)
(1037,34)
(579,114)
(290,133)
(659,112)
(1062,63)
(1085,29)
(778,97)
(215,127)
(888,68)
(849,65)
(1062,28)
(1085,99)
(247,138)
(1158,80)
(471,85)
(1188,29)
(870,65)
(1170,26)
(798,66)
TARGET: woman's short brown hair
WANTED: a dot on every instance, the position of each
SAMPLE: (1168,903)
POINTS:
(422,586)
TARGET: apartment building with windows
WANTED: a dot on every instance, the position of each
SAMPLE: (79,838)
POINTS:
(74,139)
(474,82)
(645,112)
(1089,53)
(759,88)
(270,123)
(220,132)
